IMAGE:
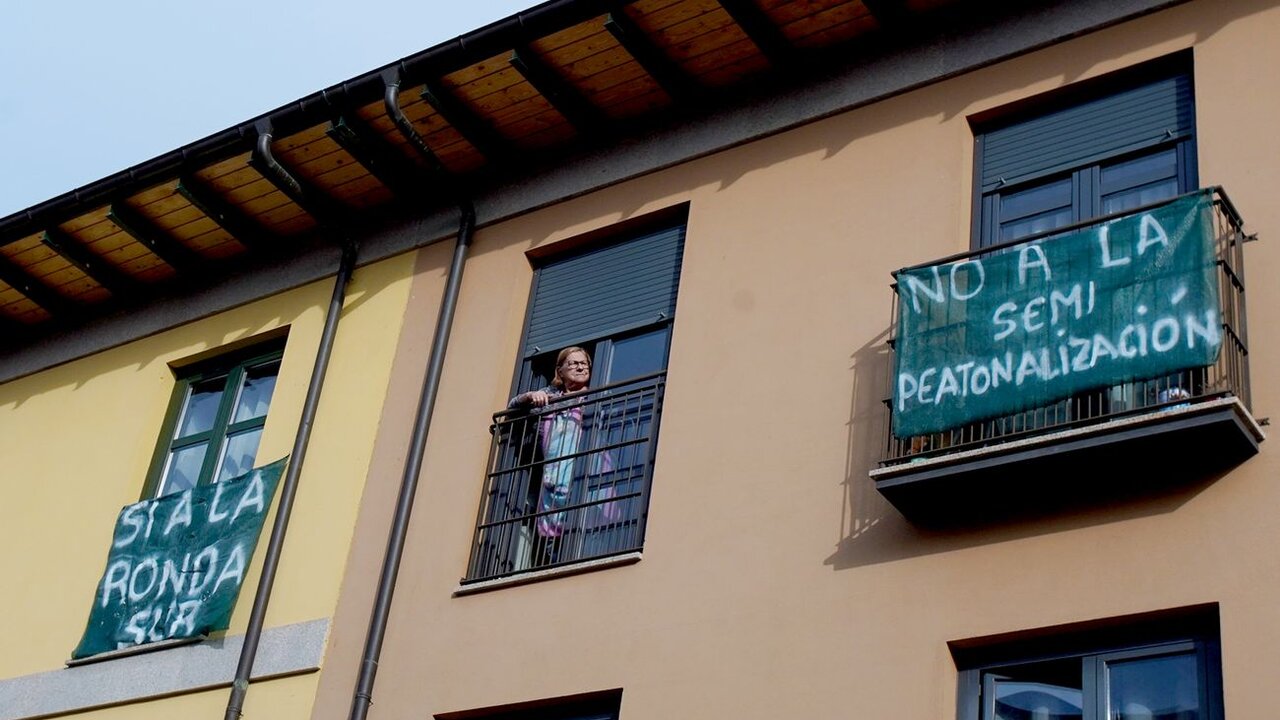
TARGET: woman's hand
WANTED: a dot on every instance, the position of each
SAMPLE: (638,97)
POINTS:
(537,398)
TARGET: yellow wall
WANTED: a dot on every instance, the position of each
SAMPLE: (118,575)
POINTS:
(77,440)
(776,582)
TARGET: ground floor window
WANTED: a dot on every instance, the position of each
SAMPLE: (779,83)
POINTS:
(1157,668)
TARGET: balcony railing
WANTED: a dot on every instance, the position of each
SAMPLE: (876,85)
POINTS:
(568,482)
(1228,376)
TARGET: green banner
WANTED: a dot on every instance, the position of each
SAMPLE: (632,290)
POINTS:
(1024,327)
(177,562)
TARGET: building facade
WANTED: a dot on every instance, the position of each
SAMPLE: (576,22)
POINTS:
(724,522)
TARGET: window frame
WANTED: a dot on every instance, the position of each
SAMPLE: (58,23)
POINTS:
(1097,644)
(234,366)
(599,347)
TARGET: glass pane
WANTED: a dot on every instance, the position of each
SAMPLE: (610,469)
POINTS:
(1041,691)
(238,454)
(200,407)
(1036,200)
(255,392)
(182,470)
(1155,688)
(1034,224)
(1140,171)
(1139,196)
(639,355)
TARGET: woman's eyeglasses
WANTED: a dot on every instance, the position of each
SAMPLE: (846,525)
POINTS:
(576,364)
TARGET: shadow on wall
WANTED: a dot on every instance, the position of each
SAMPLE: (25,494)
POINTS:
(135,354)
(873,531)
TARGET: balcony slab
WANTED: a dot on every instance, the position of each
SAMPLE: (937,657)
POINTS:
(1067,467)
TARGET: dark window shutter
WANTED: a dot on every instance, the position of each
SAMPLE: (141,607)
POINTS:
(605,290)
(1082,134)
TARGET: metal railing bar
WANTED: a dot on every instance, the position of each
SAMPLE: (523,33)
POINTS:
(1227,205)
(1045,429)
(565,509)
(562,402)
(568,457)
(548,566)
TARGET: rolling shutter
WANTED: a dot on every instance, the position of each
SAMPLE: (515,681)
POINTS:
(605,290)
(1143,116)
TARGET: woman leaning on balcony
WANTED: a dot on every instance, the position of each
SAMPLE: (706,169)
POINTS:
(560,432)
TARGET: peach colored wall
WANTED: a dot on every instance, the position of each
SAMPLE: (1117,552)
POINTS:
(775,580)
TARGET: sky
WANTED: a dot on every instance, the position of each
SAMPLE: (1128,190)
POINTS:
(92,87)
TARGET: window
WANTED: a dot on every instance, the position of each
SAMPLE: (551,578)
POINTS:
(1127,144)
(214,422)
(1152,669)
(570,481)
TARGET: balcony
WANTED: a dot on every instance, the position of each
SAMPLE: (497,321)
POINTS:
(1135,434)
(569,482)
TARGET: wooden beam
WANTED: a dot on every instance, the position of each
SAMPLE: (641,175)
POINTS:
(664,71)
(563,96)
(379,157)
(891,15)
(178,256)
(35,291)
(476,131)
(98,269)
(757,25)
(228,217)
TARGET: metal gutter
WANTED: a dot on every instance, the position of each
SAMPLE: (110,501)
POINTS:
(289,490)
(362,695)
(315,108)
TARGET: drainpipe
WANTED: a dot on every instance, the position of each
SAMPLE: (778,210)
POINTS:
(271,563)
(362,697)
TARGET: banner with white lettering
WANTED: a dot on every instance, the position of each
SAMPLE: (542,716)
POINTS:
(1024,327)
(177,562)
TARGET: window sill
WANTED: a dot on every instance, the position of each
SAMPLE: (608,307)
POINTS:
(577,568)
(136,650)
(187,667)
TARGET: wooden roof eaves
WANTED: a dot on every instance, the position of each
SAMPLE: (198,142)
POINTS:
(430,64)
(665,72)
(178,256)
(377,155)
(563,96)
(37,292)
(763,32)
(474,128)
(451,55)
(225,214)
(96,268)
